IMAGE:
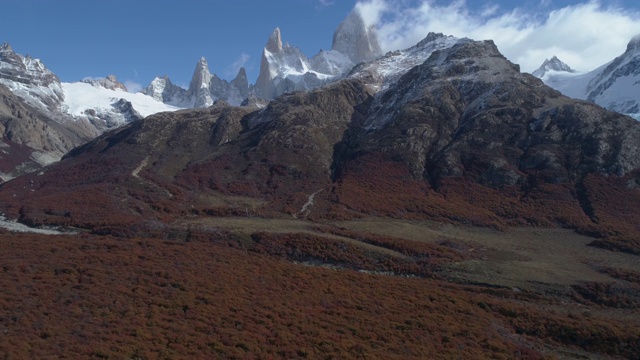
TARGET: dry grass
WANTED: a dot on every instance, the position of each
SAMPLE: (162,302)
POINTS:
(530,258)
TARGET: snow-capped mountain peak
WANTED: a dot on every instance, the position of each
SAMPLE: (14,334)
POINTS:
(24,69)
(613,85)
(388,69)
(204,90)
(284,68)
(553,64)
(634,44)
(30,79)
(199,86)
(162,89)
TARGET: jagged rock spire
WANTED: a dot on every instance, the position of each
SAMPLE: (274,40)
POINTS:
(355,39)
(241,82)
(274,44)
(199,86)
(264,86)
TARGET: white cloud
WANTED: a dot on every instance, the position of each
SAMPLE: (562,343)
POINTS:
(585,35)
(132,86)
(489,10)
(373,10)
(231,70)
(326,2)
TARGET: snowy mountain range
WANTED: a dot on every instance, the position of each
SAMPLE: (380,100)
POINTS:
(92,106)
(614,85)
(283,68)
(205,89)
(102,104)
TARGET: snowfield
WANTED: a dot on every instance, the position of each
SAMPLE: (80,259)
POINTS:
(80,96)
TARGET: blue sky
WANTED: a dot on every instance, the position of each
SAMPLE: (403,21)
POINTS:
(138,39)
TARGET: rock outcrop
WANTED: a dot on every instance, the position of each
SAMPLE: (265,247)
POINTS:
(110,83)
(30,79)
(163,90)
(553,64)
(29,139)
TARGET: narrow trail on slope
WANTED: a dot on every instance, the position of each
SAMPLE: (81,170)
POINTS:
(305,208)
(136,174)
(137,170)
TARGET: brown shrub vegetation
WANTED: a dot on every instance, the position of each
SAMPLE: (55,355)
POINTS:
(206,296)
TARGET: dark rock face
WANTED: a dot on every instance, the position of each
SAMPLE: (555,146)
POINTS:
(125,108)
(29,139)
(469,108)
(110,83)
(42,85)
(24,70)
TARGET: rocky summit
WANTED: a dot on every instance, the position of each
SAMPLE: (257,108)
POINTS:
(553,64)
(30,79)
(110,83)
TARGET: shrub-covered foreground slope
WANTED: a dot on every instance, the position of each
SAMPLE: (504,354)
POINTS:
(197,294)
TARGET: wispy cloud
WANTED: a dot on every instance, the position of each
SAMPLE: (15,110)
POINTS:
(232,69)
(132,86)
(325,3)
(584,35)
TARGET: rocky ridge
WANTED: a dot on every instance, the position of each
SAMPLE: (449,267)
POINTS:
(110,83)
(204,89)
(30,79)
